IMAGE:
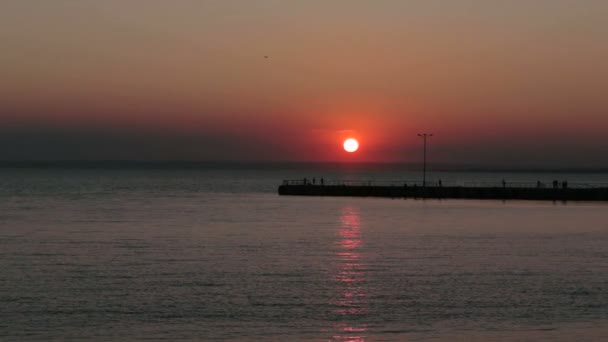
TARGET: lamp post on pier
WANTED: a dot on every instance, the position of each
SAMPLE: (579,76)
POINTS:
(424,136)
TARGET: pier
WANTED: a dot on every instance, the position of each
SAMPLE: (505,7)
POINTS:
(436,190)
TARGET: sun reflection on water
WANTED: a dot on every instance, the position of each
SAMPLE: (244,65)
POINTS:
(350,303)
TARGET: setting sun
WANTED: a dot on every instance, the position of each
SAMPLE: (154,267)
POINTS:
(351,145)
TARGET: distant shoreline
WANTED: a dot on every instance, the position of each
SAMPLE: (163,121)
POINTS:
(287,165)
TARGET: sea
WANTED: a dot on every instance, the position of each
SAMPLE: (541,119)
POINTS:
(211,252)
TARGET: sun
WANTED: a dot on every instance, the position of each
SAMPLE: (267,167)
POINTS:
(351,145)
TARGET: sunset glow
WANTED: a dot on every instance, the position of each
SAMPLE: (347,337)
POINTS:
(351,145)
(249,81)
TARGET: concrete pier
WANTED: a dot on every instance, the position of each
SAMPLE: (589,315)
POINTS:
(456,192)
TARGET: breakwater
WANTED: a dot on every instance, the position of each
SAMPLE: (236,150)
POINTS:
(454,192)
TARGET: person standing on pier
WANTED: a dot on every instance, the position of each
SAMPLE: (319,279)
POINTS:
(314,180)
(504,183)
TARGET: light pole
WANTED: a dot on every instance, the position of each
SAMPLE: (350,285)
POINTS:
(424,136)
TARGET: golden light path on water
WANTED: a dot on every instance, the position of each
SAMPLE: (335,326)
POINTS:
(350,279)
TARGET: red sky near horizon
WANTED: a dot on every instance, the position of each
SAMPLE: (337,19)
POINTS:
(497,83)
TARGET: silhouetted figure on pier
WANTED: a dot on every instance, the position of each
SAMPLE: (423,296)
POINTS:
(305,181)
(565,184)
(555,184)
(314,180)
(321,181)
(539,184)
(440,185)
(504,183)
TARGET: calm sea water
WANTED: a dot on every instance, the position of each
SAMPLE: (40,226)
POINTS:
(216,254)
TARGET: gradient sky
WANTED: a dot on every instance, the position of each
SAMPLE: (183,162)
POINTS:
(506,83)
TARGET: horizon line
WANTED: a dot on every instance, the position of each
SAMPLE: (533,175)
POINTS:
(435,166)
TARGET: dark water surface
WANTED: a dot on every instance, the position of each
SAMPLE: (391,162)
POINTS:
(217,255)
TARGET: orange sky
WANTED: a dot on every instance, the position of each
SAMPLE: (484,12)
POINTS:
(497,82)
